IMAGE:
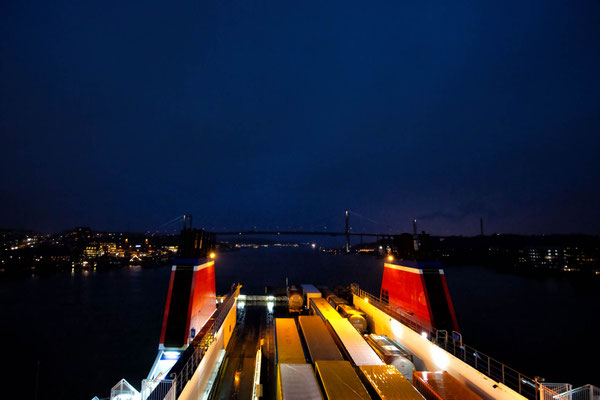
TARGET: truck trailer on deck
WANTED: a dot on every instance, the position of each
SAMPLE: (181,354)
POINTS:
(297,382)
(309,292)
(320,344)
(440,385)
(288,345)
(385,383)
(354,345)
(320,307)
(339,381)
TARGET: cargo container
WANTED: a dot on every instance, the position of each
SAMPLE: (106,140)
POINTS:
(356,318)
(385,382)
(440,385)
(297,382)
(295,302)
(392,354)
(335,301)
(310,292)
(319,342)
(326,293)
(320,307)
(354,345)
(287,342)
(339,381)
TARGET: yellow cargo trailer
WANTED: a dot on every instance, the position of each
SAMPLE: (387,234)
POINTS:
(387,383)
(289,348)
(339,381)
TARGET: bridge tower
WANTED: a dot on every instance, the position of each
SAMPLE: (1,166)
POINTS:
(347,232)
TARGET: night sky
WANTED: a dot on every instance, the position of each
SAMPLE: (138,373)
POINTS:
(123,115)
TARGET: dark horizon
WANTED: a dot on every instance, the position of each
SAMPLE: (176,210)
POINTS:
(122,116)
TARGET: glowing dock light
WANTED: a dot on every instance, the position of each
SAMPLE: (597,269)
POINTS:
(425,335)
(390,258)
(366,300)
(212,255)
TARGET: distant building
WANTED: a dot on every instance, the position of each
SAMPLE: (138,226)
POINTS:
(557,257)
(91,250)
(172,249)
(107,248)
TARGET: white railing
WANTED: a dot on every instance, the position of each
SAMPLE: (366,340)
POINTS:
(172,393)
(530,388)
(481,362)
(587,392)
(554,391)
(200,347)
(160,386)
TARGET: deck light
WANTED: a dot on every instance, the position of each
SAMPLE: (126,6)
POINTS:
(390,258)
(440,357)
(212,255)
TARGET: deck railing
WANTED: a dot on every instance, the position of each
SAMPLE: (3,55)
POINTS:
(200,347)
(481,362)
(565,391)
(158,386)
(587,392)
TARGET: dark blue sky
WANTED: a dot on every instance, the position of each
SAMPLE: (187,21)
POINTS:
(122,115)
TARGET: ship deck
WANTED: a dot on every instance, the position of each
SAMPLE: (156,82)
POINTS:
(255,326)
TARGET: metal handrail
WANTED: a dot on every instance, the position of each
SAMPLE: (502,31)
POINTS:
(485,364)
(159,386)
(201,347)
(586,392)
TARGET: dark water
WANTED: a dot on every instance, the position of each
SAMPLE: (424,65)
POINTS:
(88,330)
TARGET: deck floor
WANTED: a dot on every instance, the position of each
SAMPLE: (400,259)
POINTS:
(254,324)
